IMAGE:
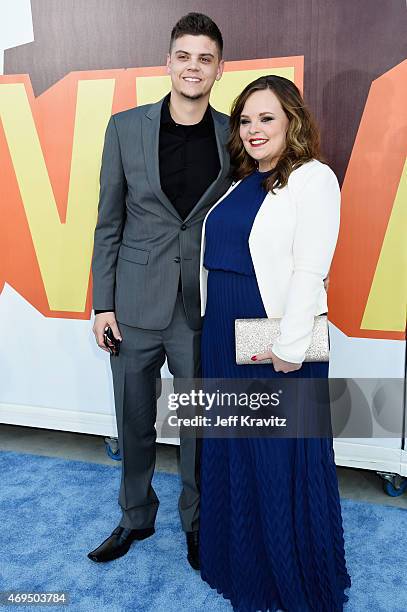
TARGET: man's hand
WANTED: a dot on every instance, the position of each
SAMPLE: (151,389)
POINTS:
(279,364)
(103,320)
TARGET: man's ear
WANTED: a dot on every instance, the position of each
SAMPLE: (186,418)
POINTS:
(168,63)
(220,69)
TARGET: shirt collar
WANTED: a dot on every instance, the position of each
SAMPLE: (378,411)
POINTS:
(166,115)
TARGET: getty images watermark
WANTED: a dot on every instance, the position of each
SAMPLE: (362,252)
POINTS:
(208,401)
(283,408)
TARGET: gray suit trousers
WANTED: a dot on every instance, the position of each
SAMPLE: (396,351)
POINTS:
(135,371)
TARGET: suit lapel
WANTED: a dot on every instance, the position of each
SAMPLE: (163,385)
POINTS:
(151,136)
(221,124)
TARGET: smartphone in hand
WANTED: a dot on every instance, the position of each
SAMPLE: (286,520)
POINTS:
(110,342)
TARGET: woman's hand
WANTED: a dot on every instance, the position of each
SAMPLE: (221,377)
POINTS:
(279,364)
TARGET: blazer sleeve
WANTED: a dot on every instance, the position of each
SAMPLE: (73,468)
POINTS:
(110,221)
(317,198)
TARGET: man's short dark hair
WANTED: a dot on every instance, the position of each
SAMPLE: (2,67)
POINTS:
(197,24)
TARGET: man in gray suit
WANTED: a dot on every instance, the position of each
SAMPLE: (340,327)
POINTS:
(163,166)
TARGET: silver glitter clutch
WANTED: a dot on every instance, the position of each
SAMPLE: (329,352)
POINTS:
(254,336)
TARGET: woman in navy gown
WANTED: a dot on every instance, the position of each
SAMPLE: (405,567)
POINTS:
(271,535)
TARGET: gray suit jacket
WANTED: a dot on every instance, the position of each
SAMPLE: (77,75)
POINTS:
(141,243)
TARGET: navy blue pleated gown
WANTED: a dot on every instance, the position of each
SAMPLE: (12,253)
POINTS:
(271,532)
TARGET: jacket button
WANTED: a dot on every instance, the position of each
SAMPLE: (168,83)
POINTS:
(183,227)
(177,259)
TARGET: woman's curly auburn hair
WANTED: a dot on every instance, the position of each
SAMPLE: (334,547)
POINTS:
(302,140)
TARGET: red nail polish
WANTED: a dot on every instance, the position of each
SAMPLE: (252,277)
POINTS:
(254,358)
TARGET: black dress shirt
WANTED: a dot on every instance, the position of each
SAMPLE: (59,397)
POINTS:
(189,161)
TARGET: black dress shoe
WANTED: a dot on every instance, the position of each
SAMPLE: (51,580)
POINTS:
(118,543)
(193,549)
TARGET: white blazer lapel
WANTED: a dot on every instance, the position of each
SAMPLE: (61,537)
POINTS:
(203,272)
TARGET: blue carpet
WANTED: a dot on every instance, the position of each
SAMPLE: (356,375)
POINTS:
(54,511)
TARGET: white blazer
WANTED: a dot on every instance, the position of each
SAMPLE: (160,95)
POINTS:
(292,242)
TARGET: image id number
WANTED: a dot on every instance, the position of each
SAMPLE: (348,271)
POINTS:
(14,597)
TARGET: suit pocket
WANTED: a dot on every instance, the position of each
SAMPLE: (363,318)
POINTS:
(137,256)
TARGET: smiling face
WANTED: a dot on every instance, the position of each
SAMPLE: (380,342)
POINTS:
(194,65)
(263,128)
